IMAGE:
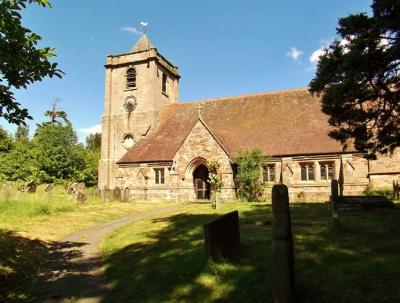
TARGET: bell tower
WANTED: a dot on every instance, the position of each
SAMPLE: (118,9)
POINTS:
(137,85)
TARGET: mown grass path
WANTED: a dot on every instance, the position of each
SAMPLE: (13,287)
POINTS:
(74,267)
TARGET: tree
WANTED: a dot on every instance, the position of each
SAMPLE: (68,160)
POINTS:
(21,61)
(5,140)
(54,114)
(22,133)
(358,77)
(93,142)
(58,152)
(249,182)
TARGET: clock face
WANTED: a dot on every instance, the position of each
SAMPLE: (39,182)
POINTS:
(130,104)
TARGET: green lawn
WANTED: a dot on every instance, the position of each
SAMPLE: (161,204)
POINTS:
(163,260)
(31,223)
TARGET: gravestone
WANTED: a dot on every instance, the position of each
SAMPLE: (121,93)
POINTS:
(97,192)
(31,186)
(126,194)
(222,237)
(334,199)
(105,194)
(7,191)
(72,188)
(282,264)
(116,194)
(80,193)
(21,187)
(396,190)
(48,188)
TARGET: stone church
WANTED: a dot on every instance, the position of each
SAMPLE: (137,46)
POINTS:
(159,148)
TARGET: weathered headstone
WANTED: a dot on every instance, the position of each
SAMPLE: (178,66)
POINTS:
(334,200)
(21,187)
(72,188)
(222,237)
(396,190)
(126,194)
(282,264)
(116,194)
(105,194)
(31,186)
(97,192)
(80,193)
(48,188)
(7,191)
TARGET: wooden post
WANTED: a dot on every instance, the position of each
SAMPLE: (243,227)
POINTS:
(334,198)
(282,247)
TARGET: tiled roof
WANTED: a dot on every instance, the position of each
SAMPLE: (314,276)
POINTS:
(279,123)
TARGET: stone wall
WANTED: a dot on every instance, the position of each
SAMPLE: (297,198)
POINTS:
(198,147)
(384,170)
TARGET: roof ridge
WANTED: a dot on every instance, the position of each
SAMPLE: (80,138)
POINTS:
(238,96)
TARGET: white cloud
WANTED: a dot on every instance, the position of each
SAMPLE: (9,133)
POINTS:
(294,53)
(131,29)
(314,58)
(91,129)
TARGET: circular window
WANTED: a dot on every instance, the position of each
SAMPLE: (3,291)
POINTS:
(130,104)
(128,142)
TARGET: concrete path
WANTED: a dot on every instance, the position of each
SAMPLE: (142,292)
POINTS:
(74,267)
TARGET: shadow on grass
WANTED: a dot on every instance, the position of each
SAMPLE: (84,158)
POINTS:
(20,261)
(171,266)
(36,271)
(360,262)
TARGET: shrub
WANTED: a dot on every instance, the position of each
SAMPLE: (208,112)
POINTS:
(249,183)
(370,191)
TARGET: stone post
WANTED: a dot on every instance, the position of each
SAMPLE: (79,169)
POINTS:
(334,198)
(282,247)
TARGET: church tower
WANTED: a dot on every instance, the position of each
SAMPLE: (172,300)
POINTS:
(137,85)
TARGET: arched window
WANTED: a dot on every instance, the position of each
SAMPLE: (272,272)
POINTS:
(131,78)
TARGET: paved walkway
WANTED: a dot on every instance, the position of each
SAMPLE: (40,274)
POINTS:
(74,267)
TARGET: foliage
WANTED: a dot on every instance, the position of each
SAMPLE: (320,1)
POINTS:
(19,163)
(93,142)
(90,173)
(22,133)
(57,151)
(5,140)
(359,79)
(21,61)
(370,191)
(214,176)
(248,179)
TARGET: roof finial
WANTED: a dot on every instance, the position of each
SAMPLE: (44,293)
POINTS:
(199,108)
(143,25)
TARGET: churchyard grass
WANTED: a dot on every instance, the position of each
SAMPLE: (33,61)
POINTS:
(31,222)
(163,259)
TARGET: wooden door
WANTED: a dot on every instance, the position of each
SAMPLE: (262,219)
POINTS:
(201,189)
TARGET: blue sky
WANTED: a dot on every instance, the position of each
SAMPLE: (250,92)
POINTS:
(222,48)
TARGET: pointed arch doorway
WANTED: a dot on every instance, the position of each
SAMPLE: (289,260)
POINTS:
(201,184)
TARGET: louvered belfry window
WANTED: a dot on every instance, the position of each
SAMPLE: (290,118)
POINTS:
(131,78)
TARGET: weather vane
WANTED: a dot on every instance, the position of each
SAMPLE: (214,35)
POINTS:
(144,26)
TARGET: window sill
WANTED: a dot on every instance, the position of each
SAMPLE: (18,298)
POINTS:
(130,89)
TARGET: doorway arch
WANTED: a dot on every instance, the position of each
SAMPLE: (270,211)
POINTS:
(200,181)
